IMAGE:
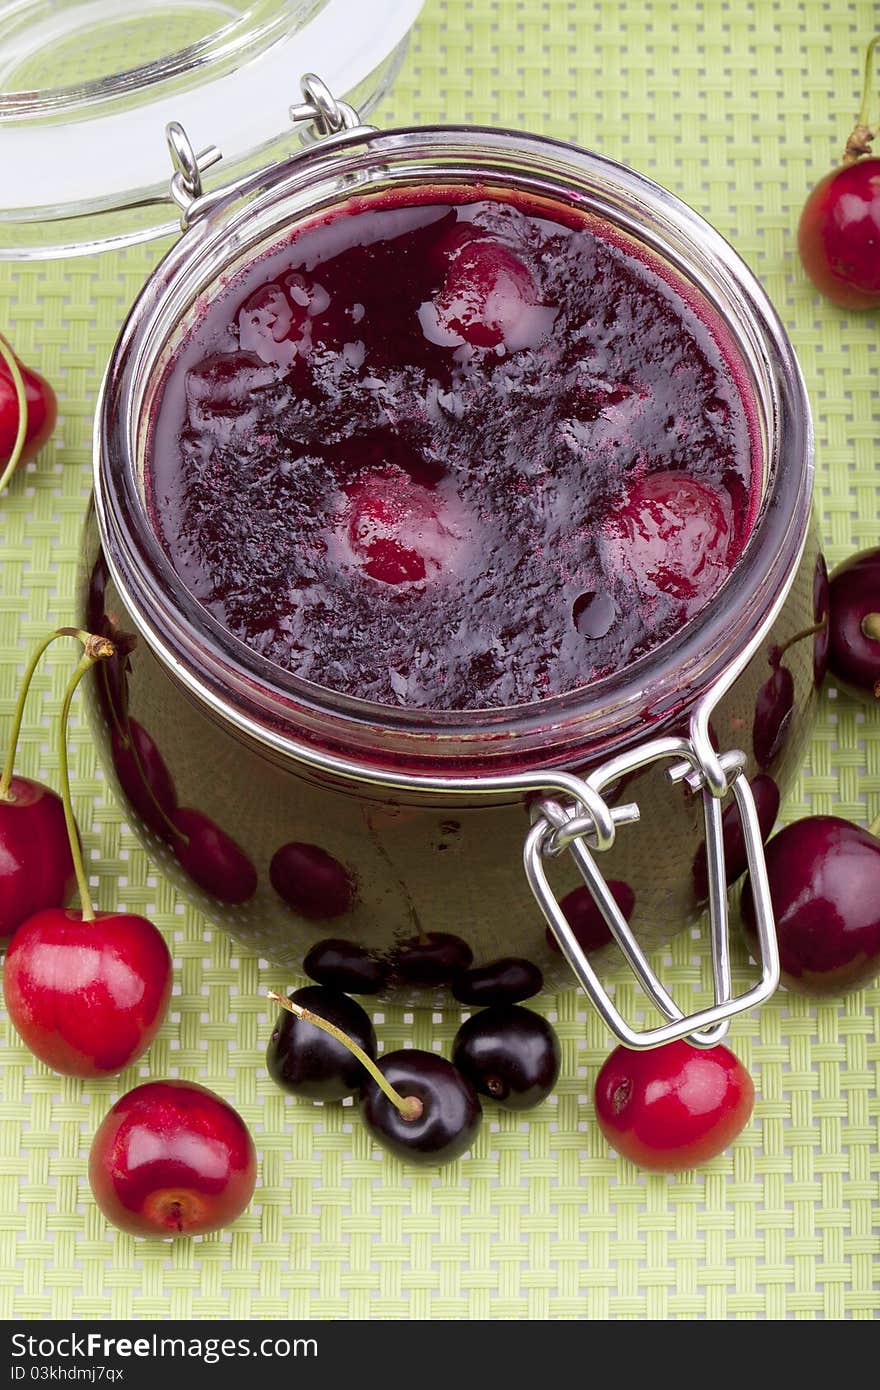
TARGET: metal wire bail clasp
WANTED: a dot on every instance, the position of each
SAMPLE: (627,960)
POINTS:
(587,825)
(322,110)
(186,183)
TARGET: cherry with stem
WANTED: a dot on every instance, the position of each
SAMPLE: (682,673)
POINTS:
(85,991)
(28,410)
(415,1104)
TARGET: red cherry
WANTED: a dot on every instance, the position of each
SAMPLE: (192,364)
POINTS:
(824,876)
(821,608)
(212,858)
(171,1158)
(585,919)
(36,868)
(395,527)
(87,997)
(774,711)
(839,235)
(854,625)
(42,409)
(673,535)
(487,298)
(144,777)
(672,1107)
(311,881)
(766,794)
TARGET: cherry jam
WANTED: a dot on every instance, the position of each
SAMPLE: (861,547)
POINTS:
(452,454)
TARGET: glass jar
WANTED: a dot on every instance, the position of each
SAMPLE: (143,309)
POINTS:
(406,823)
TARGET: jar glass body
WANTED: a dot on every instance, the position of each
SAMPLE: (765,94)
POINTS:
(398,823)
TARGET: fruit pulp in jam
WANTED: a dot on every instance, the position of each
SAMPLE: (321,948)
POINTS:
(452,450)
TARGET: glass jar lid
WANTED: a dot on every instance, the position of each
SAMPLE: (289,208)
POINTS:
(88,86)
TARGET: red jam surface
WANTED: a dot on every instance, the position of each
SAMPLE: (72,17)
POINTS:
(451,454)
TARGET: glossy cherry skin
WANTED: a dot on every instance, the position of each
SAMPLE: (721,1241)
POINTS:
(510,1054)
(144,777)
(171,1158)
(488,299)
(311,881)
(774,711)
(308,1062)
(824,876)
(766,794)
(212,859)
(505,981)
(432,959)
(674,534)
(585,919)
(672,1107)
(839,235)
(36,868)
(821,614)
(451,1112)
(42,409)
(345,966)
(87,998)
(853,656)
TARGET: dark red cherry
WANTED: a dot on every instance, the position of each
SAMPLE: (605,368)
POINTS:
(170,1159)
(42,411)
(510,1054)
(87,997)
(398,530)
(854,625)
(487,299)
(505,981)
(839,233)
(211,858)
(222,386)
(144,777)
(671,1108)
(766,794)
(36,868)
(308,1062)
(585,919)
(774,711)
(346,966)
(821,609)
(451,1111)
(673,534)
(311,881)
(432,959)
(824,876)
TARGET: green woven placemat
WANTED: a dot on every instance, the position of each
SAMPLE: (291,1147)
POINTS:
(738,108)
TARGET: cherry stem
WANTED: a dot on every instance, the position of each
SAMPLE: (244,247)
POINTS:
(11,361)
(859,142)
(871,626)
(96,649)
(9,765)
(800,636)
(410,1107)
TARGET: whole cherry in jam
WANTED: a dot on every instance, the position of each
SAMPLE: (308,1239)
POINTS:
(172,1158)
(308,1061)
(86,991)
(346,966)
(312,881)
(414,1103)
(586,921)
(397,528)
(488,298)
(674,1107)
(212,859)
(510,1054)
(854,625)
(824,878)
(674,534)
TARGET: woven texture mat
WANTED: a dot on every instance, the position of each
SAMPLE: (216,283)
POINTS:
(739,108)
